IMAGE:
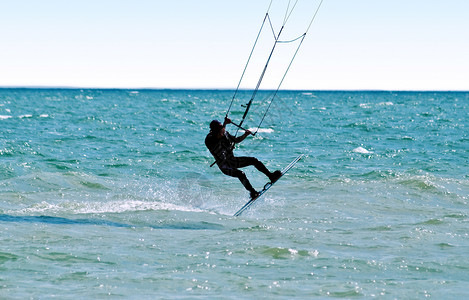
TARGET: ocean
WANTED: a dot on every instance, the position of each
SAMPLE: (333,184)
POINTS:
(109,194)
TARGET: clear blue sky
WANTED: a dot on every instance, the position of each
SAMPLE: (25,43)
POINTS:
(361,44)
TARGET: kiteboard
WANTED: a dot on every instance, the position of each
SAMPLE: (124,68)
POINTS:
(267,186)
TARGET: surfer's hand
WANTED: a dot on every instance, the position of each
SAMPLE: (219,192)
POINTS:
(247,132)
(227,120)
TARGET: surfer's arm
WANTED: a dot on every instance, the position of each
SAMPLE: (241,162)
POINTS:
(241,138)
(226,122)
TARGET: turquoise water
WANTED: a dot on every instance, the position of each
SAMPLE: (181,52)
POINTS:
(110,194)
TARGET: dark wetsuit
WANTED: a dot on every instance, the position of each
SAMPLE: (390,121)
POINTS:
(222,151)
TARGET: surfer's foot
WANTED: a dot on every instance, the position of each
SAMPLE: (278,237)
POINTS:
(254,194)
(275,176)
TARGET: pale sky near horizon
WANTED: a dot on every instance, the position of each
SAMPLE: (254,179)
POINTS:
(362,44)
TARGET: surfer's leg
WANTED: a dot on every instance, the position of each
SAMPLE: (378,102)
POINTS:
(241,176)
(244,161)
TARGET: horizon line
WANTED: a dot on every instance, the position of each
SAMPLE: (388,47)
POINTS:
(218,89)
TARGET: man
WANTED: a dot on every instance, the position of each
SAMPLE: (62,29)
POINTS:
(221,145)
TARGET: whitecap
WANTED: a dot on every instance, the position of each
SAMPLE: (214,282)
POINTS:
(3,117)
(25,116)
(102,207)
(361,150)
(262,130)
(310,95)
(388,103)
(365,105)
(132,206)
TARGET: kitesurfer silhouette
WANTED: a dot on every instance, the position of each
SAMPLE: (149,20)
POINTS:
(221,145)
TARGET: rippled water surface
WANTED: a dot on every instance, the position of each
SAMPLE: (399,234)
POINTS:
(111,193)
